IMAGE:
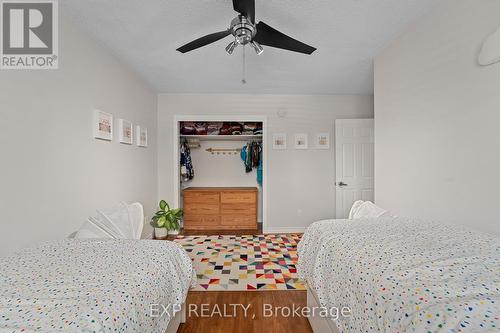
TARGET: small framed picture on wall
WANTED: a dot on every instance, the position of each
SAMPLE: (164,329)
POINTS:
(279,141)
(323,141)
(125,131)
(301,141)
(103,125)
(141,136)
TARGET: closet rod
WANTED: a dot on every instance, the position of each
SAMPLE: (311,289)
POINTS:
(215,150)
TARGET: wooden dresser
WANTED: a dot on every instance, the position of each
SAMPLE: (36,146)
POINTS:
(220,208)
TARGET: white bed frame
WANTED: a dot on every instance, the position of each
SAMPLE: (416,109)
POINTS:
(180,317)
(319,324)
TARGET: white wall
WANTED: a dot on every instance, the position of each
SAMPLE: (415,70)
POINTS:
(437,116)
(53,173)
(301,182)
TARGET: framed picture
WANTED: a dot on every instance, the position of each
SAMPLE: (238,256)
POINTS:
(141,136)
(125,132)
(279,141)
(323,141)
(301,141)
(103,125)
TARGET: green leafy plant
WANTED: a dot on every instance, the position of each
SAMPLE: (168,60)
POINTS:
(166,217)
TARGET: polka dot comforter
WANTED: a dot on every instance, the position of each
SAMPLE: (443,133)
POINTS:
(92,286)
(404,275)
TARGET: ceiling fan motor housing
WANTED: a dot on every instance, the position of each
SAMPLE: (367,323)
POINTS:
(243,30)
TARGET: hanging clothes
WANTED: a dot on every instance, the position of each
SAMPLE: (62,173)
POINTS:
(251,155)
(259,173)
(248,159)
(243,154)
(187,169)
(256,150)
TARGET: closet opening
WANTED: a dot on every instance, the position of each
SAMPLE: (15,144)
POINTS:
(220,172)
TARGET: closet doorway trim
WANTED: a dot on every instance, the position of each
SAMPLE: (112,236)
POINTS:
(220,118)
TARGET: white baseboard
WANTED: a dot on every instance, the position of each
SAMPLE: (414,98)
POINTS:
(283,230)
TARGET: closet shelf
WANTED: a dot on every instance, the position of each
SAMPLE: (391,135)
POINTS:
(224,137)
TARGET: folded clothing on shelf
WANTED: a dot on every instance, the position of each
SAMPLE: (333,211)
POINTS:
(236,128)
(220,128)
(188,128)
(258,129)
(249,128)
(214,128)
(201,128)
(225,129)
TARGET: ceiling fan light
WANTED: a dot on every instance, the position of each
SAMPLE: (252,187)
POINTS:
(257,47)
(230,48)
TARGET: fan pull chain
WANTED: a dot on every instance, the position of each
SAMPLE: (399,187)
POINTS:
(243,80)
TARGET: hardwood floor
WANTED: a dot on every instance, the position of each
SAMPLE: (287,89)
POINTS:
(256,320)
(214,311)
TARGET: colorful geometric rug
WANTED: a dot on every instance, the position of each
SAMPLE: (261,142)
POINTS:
(252,262)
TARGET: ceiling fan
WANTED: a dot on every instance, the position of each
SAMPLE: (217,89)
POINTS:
(245,31)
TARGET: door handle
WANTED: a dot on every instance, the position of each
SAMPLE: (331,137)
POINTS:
(341,184)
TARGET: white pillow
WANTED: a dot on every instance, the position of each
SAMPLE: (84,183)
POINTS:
(136,215)
(125,221)
(354,208)
(103,223)
(368,210)
(117,221)
(122,222)
(90,230)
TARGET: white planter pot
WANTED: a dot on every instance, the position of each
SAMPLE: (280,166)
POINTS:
(173,232)
(161,233)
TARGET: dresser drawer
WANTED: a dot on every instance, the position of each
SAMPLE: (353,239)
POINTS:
(201,221)
(238,209)
(200,209)
(201,197)
(219,208)
(238,221)
(238,197)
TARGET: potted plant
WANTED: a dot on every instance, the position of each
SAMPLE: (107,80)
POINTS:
(166,220)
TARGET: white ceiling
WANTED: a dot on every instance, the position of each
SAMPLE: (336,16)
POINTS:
(347,33)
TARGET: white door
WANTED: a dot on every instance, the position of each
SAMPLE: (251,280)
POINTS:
(354,163)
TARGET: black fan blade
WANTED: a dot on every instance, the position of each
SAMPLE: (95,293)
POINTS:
(269,36)
(205,40)
(245,8)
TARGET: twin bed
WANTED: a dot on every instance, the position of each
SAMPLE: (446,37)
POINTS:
(401,275)
(104,278)
(393,274)
(94,286)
